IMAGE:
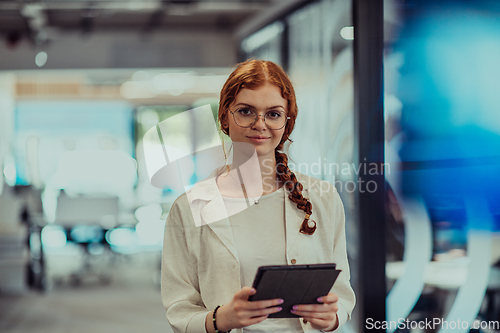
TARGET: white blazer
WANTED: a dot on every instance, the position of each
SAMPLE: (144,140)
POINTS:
(200,267)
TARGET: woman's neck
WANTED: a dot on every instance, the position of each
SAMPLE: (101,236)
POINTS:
(270,182)
(251,172)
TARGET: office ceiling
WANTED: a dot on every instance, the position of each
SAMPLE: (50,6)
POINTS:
(37,19)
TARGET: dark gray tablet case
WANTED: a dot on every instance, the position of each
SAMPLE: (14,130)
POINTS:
(297,284)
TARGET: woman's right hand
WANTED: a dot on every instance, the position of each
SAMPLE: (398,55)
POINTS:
(240,312)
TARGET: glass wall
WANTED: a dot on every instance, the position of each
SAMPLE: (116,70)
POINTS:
(321,69)
(267,43)
(443,146)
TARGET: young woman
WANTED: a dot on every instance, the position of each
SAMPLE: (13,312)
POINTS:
(211,255)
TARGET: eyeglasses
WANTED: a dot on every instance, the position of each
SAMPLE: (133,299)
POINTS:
(274,120)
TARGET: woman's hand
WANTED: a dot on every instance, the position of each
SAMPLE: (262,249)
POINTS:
(321,316)
(240,312)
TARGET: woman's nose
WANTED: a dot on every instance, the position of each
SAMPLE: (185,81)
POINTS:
(260,122)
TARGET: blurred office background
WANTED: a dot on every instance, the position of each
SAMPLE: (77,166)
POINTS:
(81,82)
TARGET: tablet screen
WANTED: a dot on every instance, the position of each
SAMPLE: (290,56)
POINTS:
(297,284)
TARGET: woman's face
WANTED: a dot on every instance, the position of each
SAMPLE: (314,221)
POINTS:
(261,100)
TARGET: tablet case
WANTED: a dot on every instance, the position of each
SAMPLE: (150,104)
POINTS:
(297,284)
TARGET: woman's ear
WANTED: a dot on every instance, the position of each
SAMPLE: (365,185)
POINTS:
(224,123)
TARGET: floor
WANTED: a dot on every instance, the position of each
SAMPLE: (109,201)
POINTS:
(129,302)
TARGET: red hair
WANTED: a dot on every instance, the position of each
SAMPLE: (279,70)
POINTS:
(252,74)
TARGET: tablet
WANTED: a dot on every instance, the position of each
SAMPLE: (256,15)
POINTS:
(297,284)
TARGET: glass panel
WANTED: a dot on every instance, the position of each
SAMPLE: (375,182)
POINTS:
(443,148)
(321,69)
(265,44)
(60,143)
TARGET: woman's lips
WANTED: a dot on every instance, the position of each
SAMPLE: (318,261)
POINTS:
(258,139)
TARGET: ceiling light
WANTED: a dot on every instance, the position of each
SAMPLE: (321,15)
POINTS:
(347,33)
(41,58)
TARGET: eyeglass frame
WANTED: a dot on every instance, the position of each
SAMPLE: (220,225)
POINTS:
(257,117)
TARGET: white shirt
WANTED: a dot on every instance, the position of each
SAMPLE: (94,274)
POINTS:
(257,248)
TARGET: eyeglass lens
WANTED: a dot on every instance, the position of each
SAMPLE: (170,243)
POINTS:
(273,119)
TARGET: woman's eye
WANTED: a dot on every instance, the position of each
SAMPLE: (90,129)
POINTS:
(274,115)
(245,112)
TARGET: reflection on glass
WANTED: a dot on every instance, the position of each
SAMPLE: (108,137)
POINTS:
(443,140)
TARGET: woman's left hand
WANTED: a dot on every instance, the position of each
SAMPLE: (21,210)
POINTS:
(321,316)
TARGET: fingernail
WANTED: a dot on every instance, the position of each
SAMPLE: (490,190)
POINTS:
(293,311)
(320,299)
(253,290)
(279,309)
(295,307)
(280,301)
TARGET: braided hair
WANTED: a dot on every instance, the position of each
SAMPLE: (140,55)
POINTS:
(250,75)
